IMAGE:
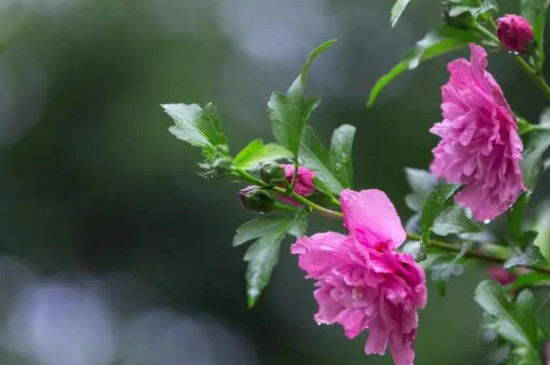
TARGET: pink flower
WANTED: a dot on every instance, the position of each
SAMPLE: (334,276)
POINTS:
(500,275)
(304,182)
(514,32)
(363,283)
(479,146)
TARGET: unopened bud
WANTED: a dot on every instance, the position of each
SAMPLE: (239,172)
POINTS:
(514,32)
(303,186)
(222,167)
(256,199)
(273,174)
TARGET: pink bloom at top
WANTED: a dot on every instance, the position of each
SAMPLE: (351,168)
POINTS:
(479,146)
(514,32)
(362,282)
(304,182)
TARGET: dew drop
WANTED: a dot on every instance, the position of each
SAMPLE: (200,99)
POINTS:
(355,197)
(337,167)
(345,198)
(487,221)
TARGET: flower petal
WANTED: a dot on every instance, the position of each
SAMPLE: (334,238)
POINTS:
(371,218)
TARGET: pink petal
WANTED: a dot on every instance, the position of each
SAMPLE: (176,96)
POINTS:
(371,218)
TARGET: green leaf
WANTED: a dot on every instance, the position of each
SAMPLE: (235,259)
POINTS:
(436,203)
(256,154)
(515,322)
(414,248)
(529,279)
(290,112)
(197,126)
(267,234)
(317,158)
(474,8)
(444,267)
(441,40)
(530,257)
(531,165)
(397,10)
(542,226)
(340,154)
(453,220)
(422,183)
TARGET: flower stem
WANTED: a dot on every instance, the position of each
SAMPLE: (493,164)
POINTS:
(309,204)
(482,256)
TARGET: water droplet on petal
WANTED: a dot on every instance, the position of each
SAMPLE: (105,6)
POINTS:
(355,197)
(487,221)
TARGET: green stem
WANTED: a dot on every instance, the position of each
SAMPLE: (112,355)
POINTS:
(483,256)
(309,204)
(538,79)
(445,246)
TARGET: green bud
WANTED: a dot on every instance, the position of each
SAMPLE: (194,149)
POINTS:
(221,167)
(273,174)
(256,199)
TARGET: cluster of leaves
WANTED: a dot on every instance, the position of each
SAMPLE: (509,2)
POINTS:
(296,143)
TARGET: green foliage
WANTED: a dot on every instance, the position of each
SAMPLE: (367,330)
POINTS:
(256,154)
(290,112)
(474,8)
(536,143)
(263,254)
(436,203)
(197,126)
(529,279)
(514,322)
(422,183)
(453,220)
(535,13)
(444,267)
(397,10)
(531,256)
(441,40)
(340,154)
(332,167)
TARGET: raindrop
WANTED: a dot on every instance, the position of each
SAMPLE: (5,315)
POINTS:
(345,198)
(337,166)
(355,197)
(487,221)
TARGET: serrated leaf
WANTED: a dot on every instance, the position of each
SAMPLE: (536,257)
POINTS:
(453,220)
(441,40)
(197,126)
(475,9)
(263,254)
(436,202)
(514,322)
(446,266)
(340,154)
(422,183)
(530,257)
(317,158)
(397,10)
(290,112)
(256,154)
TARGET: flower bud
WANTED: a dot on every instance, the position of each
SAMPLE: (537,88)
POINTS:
(222,167)
(304,185)
(500,275)
(514,32)
(273,174)
(256,199)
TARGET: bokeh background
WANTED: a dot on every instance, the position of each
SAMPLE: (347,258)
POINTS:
(114,250)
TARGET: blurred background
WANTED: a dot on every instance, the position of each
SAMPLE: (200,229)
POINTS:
(113,249)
